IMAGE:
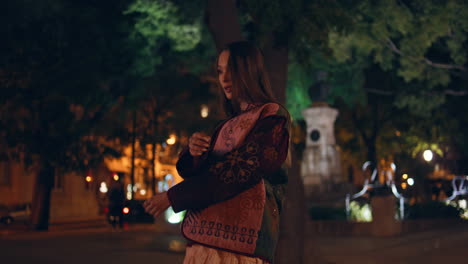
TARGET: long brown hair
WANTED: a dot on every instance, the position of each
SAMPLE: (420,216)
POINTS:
(250,81)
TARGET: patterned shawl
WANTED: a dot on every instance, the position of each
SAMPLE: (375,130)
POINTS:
(226,194)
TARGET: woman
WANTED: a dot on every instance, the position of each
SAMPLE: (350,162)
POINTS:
(234,184)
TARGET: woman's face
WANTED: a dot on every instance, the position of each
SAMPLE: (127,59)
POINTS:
(224,76)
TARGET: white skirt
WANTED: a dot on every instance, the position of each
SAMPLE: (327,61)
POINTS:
(198,254)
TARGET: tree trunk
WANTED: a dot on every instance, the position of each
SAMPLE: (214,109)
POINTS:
(276,61)
(290,247)
(291,242)
(132,172)
(223,23)
(372,150)
(153,168)
(41,200)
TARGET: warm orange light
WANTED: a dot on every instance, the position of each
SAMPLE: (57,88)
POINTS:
(89,178)
(404,185)
(204,111)
(126,210)
(116,177)
(171,140)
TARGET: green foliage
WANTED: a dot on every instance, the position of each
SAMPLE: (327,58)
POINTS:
(297,97)
(61,73)
(422,41)
(158,28)
(360,212)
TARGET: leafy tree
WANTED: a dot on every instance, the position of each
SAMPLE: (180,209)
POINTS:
(60,69)
(423,42)
(393,70)
(73,73)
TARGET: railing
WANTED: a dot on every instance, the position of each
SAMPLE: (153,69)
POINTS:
(459,187)
(373,183)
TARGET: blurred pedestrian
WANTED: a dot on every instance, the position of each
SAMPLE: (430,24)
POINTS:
(116,203)
(234,183)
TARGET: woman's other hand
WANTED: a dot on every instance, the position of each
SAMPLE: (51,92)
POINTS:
(157,204)
(198,144)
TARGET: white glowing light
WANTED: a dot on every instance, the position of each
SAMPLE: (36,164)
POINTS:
(204,111)
(462,204)
(428,155)
(171,140)
(367,213)
(410,181)
(172,217)
(116,177)
(103,187)
(143,192)
(129,195)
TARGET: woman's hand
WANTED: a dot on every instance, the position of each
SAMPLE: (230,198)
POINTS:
(157,204)
(198,144)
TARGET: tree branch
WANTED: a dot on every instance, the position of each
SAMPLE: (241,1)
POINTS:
(381,92)
(388,93)
(427,61)
(456,93)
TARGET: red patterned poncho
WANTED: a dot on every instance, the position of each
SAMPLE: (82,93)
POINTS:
(233,193)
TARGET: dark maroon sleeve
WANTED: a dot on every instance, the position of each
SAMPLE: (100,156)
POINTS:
(187,165)
(264,150)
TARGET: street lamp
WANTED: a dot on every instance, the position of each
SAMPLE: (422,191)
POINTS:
(204,111)
(171,140)
(103,187)
(427,155)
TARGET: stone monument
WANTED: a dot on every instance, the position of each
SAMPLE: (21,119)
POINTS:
(321,163)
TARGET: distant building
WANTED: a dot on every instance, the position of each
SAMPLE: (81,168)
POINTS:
(78,196)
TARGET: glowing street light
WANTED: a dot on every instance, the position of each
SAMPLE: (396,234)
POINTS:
(404,185)
(405,176)
(410,181)
(89,178)
(171,140)
(103,188)
(204,111)
(116,177)
(427,155)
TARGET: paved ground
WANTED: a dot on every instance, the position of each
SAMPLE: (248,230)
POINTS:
(437,246)
(141,244)
(99,245)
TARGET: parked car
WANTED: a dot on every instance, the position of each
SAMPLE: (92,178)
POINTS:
(16,213)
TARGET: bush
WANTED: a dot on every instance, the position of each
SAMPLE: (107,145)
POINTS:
(433,209)
(327,213)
